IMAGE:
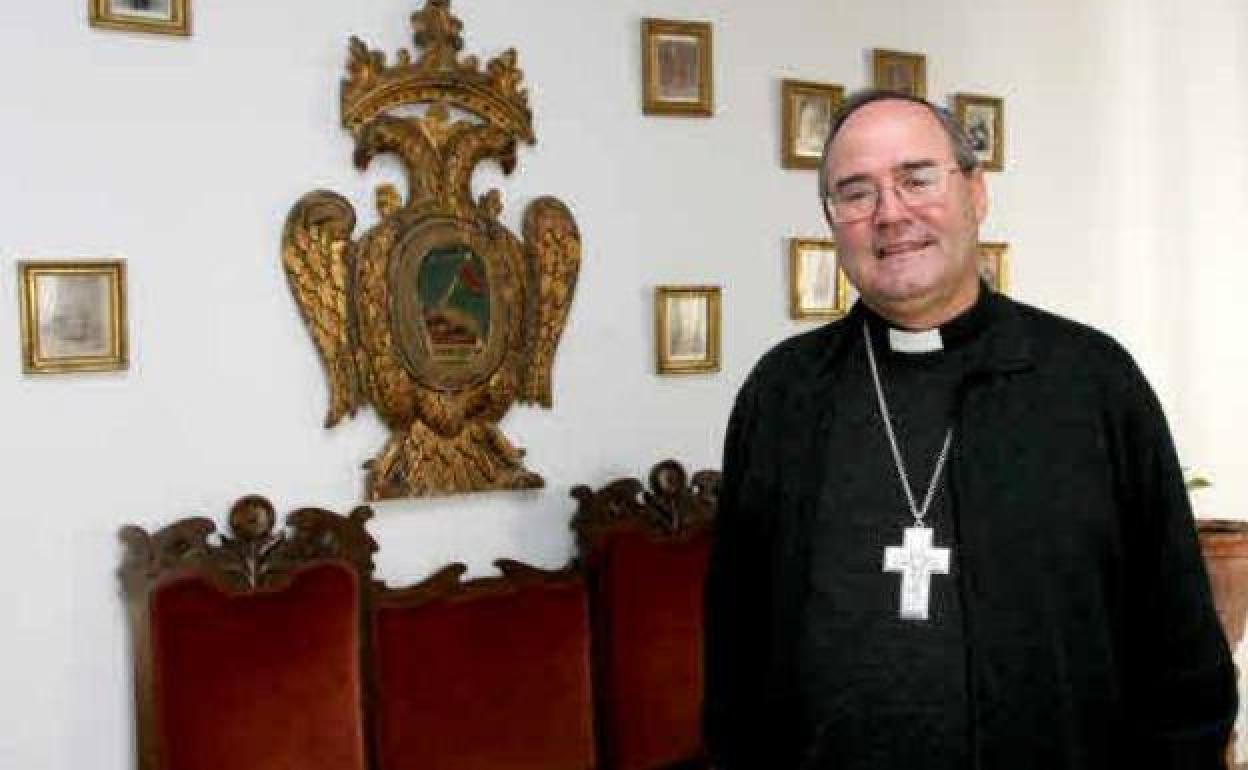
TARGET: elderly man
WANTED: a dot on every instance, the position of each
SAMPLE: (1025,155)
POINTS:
(952,532)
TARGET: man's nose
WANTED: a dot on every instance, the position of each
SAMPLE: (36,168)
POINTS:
(889,207)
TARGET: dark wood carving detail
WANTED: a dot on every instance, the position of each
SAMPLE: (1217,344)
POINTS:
(251,557)
(674,507)
(448,583)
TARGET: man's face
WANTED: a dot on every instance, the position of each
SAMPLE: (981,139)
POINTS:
(915,265)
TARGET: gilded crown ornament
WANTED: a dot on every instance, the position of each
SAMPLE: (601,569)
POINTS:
(437,315)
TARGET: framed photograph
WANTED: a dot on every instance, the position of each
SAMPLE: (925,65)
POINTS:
(994,265)
(904,73)
(676,67)
(686,329)
(165,17)
(818,288)
(73,316)
(983,120)
(808,110)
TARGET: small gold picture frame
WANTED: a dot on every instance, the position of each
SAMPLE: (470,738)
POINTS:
(994,265)
(163,17)
(900,72)
(73,316)
(676,67)
(687,328)
(818,288)
(808,109)
(983,120)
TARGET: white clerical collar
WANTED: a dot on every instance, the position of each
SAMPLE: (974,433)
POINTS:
(903,341)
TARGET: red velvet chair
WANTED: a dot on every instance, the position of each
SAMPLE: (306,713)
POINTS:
(248,650)
(489,674)
(645,554)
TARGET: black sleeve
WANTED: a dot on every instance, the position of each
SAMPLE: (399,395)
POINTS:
(736,610)
(1181,666)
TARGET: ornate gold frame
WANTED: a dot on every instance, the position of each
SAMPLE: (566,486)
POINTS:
(34,358)
(994,261)
(668,362)
(652,100)
(440,365)
(178,23)
(789,93)
(961,105)
(916,64)
(796,309)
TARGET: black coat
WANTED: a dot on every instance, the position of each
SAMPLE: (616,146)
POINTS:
(1091,633)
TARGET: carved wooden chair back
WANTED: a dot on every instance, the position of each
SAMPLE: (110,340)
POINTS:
(249,646)
(645,553)
(484,674)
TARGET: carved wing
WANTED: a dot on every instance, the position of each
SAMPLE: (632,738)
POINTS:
(317,253)
(553,249)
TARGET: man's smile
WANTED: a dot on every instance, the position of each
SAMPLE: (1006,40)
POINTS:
(901,248)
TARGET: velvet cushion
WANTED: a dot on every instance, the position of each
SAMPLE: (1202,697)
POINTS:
(649,613)
(264,681)
(488,682)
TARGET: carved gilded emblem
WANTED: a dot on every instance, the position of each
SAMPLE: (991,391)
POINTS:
(437,315)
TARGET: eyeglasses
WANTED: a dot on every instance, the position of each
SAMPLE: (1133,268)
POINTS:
(858,198)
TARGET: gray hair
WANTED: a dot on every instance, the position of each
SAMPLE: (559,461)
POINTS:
(959,142)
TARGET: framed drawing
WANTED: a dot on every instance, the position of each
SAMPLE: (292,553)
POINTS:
(983,120)
(818,288)
(676,67)
(686,329)
(73,316)
(165,17)
(904,73)
(994,265)
(808,110)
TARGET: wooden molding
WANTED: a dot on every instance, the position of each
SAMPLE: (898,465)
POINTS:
(448,584)
(674,507)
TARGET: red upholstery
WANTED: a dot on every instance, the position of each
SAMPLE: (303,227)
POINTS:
(648,601)
(486,682)
(266,681)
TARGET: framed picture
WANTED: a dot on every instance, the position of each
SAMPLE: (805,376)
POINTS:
(808,110)
(904,73)
(818,288)
(166,17)
(676,67)
(994,265)
(983,120)
(73,316)
(686,329)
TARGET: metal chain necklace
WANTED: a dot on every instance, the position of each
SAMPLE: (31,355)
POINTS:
(916,558)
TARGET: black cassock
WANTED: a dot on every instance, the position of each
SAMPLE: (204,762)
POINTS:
(1075,628)
(869,675)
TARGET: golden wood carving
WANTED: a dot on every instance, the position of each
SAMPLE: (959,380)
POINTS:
(437,315)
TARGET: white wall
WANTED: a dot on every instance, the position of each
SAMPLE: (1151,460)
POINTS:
(1123,201)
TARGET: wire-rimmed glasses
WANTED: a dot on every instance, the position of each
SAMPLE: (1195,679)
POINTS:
(857,197)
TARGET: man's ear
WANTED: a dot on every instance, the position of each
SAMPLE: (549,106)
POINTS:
(979,194)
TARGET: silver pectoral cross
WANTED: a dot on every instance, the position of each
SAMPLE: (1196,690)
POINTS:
(917,560)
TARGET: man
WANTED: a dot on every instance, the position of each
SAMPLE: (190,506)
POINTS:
(952,531)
